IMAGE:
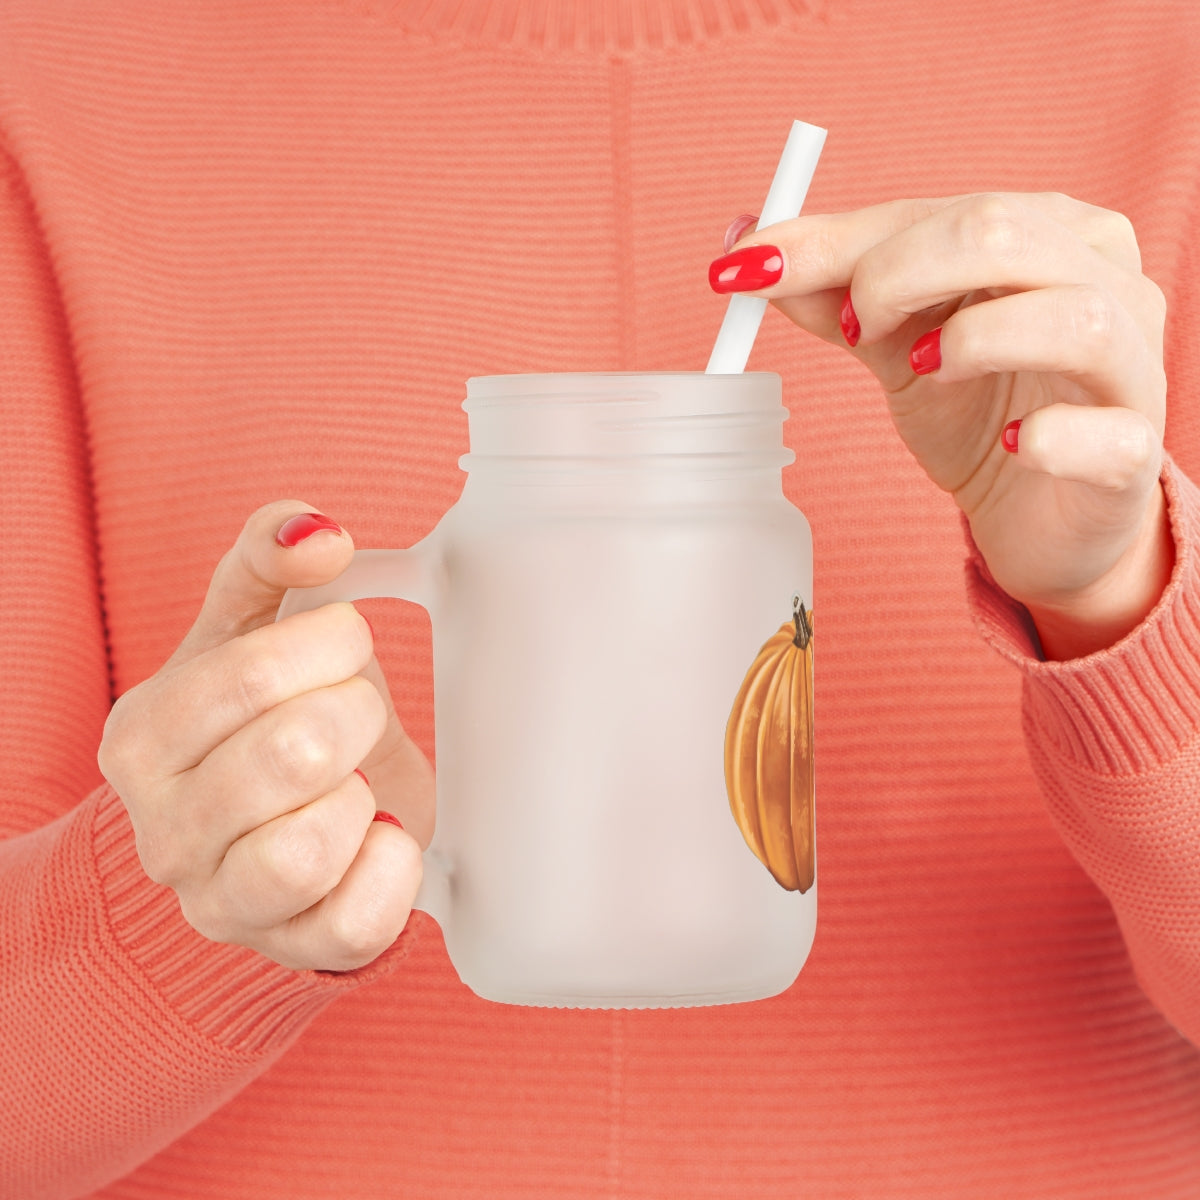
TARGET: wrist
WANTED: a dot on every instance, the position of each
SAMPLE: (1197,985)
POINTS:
(1113,606)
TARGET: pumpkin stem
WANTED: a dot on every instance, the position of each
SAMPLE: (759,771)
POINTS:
(803,624)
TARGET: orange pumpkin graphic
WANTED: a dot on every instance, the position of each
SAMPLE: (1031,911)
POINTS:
(769,754)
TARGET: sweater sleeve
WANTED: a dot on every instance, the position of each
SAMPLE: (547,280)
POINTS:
(120,1027)
(1114,739)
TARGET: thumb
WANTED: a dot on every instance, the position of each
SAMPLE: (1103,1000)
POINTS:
(286,544)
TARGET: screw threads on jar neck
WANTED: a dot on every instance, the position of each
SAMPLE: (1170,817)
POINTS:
(545,425)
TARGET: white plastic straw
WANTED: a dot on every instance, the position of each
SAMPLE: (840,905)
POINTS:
(788,189)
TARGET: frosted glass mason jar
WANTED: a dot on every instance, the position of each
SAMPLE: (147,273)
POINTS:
(621,551)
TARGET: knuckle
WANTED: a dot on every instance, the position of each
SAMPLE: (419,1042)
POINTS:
(1059,206)
(340,632)
(112,753)
(917,208)
(1116,476)
(297,859)
(817,254)
(361,933)
(352,633)
(1140,446)
(1090,318)
(258,679)
(1125,451)
(1117,229)
(878,286)
(121,752)
(299,751)
(1112,234)
(994,226)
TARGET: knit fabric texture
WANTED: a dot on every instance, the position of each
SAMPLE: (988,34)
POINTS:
(252,252)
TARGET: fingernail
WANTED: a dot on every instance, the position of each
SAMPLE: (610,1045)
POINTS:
(1009,436)
(380,815)
(362,777)
(746,270)
(926,353)
(737,227)
(295,529)
(851,330)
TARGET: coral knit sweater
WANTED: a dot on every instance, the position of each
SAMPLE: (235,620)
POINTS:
(253,250)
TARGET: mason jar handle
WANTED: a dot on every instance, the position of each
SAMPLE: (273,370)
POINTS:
(395,574)
(401,575)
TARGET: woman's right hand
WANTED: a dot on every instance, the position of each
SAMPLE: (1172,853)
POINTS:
(237,762)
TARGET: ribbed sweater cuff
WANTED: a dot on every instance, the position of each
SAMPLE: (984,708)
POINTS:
(236,997)
(1125,709)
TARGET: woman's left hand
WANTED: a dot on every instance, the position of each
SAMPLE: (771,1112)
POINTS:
(978,312)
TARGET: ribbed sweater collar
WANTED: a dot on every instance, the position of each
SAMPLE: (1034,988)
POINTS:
(592,25)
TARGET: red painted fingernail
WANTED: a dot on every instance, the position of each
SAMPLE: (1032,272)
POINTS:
(737,227)
(746,270)
(1009,436)
(295,529)
(851,330)
(380,815)
(926,353)
(362,777)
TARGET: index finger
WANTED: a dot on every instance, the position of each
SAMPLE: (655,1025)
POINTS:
(190,709)
(820,251)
